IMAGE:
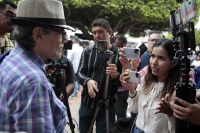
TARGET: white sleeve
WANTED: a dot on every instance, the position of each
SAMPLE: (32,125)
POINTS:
(133,102)
(171,120)
(171,124)
(69,54)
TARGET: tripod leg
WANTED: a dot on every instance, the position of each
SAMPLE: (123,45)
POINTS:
(94,118)
(107,115)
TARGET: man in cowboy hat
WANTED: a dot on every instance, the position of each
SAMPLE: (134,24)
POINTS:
(27,100)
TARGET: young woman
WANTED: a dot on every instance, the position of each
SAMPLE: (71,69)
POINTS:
(151,100)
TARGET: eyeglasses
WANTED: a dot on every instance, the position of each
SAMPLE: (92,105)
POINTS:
(64,34)
(9,15)
(153,40)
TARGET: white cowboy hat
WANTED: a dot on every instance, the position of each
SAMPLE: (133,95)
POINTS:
(40,13)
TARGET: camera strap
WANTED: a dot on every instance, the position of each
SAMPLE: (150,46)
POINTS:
(2,56)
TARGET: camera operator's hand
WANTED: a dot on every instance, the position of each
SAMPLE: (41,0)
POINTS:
(190,112)
(111,70)
(92,87)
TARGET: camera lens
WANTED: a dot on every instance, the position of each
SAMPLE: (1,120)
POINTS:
(136,75)
(136,50)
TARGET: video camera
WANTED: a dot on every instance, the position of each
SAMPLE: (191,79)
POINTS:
(184,14)
(56,74)
(180,21)
(55,70)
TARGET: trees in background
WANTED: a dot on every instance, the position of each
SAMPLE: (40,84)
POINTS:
(133,16)
(124,16)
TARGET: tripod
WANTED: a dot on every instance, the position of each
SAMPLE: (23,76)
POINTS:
(184,90)
(58,75)
(105,100)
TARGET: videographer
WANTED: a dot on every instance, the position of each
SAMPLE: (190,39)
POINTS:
(27,100)
(74,55)
(92,74)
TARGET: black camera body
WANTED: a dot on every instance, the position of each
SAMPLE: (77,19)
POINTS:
(56,74)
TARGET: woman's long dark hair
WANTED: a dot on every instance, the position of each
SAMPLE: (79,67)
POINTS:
(173,76)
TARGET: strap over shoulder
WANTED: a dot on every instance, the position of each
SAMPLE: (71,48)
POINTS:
(2,56)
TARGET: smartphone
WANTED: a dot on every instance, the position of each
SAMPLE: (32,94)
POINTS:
(102,45)
(188,11)
(131,53)
(134,77)
(178,17)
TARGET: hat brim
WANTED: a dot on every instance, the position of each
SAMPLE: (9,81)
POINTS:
(26,22)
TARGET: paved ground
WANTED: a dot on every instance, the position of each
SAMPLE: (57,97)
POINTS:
(74,104)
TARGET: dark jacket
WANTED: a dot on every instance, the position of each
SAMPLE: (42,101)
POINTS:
(93,67)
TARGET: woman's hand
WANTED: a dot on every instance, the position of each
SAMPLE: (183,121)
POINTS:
(134,64)
(129,85)
(165,107)
(125,62)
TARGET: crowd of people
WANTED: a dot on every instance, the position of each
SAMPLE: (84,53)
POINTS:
(29,103)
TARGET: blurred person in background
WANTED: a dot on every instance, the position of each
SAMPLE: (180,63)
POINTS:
(192,57)
(91,42)
(7,11)
(122,94)
(196,62)
(153,37)
(74,55)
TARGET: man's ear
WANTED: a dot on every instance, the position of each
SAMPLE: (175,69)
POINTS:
(38,34)
(110,31)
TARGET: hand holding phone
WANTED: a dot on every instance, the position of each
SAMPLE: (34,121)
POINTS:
(131,53)
(134,77)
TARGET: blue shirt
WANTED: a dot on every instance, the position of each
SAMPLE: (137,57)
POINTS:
(27,100)
(144,60)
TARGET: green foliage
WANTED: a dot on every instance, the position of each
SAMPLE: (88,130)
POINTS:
(197,36)
(169,36)
(133,16)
